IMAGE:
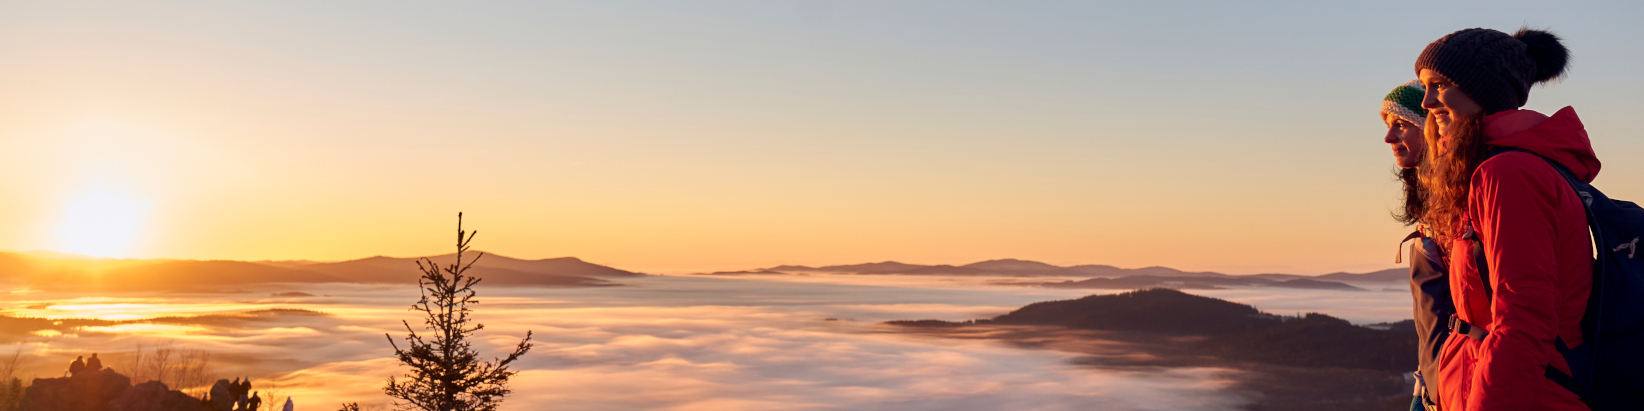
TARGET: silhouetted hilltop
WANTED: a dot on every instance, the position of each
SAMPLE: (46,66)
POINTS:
(869,268)
(168,275)
(943,269)
(748,272)
(149,276)
(1232,330)
(1315,285)
(1130,278)
(1159,310)
(1376,277)
(86,273)
(394,270)
(1012,265)
(1383,276)
(569,266)
(1188,283)
(788,268)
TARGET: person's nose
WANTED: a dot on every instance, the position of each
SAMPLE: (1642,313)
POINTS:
(1429,100)
(1392,136)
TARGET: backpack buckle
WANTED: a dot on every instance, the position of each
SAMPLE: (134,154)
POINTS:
(1462,327)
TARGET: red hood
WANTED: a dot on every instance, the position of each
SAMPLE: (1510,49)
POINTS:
(1560,138)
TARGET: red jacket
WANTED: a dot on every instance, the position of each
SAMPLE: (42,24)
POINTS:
(1534,229)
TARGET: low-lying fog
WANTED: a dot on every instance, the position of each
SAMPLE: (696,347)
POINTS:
(670,342)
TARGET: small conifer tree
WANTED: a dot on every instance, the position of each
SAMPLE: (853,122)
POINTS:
(446,372)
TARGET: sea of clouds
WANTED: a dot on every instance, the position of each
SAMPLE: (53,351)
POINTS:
(671,343)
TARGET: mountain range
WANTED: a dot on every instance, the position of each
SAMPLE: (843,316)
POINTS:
(51,271)
(1134,282)
(1102,276)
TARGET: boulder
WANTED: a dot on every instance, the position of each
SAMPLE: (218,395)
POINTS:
(155,396)
(86,391)
(221,399)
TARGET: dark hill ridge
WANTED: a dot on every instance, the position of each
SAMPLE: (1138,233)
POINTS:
(1162,311)
(1388,275)
(868,268)
(195,275)
(555,272)
(1115,277)
(1315,284)
(1011,264)
(174,275)
(1188,283)
(1233,331)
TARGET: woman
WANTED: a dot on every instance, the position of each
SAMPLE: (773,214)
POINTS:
(1429,283)
(1401,111)
(1520,258)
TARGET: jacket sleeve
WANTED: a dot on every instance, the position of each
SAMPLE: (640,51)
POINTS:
(1514,203)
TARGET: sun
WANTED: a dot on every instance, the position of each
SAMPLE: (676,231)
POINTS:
(101,222)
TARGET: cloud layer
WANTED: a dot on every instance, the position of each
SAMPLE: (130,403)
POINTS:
(664,343)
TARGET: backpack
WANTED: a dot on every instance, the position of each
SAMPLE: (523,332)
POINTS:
(1430,291)
(1607,369)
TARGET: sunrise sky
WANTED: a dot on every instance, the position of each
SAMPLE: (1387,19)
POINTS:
(665,136)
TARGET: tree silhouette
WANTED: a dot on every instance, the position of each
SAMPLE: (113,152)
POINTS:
(446,372)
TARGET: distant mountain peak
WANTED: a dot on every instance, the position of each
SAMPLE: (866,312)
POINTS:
(1012,264)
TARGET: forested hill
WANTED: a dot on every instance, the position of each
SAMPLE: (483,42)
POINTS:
(1158,310)
(1232,330)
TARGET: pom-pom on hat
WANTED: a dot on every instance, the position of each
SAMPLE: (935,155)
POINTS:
(1496,69)
(1405,102)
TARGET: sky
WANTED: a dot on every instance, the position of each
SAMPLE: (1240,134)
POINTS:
(663,136)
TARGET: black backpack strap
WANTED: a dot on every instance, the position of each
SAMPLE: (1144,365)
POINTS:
(1479,260)
(1399,258)
(1559,377)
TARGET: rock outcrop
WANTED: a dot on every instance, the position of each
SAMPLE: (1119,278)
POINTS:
(105,390)
(155,396)
(86,391)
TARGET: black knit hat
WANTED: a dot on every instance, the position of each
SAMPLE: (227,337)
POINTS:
(1494,68)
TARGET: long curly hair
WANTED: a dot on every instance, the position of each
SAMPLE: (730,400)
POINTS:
(1447,174)
(1414,198)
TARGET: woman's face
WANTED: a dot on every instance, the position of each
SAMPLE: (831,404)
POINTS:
(1445,102)
(1405,137)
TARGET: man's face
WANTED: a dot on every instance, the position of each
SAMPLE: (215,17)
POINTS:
(1406,139)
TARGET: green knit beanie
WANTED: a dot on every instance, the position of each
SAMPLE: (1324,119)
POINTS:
(1405,102)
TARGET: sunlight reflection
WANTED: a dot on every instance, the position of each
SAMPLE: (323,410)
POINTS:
(158,330)
(119,309)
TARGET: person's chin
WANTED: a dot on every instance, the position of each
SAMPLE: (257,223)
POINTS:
(1404,160)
